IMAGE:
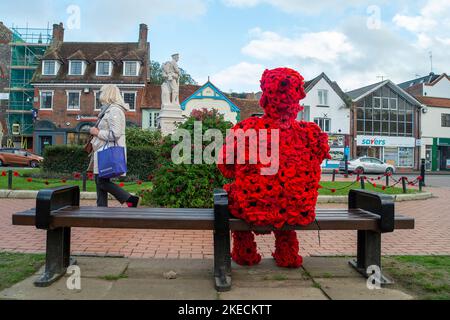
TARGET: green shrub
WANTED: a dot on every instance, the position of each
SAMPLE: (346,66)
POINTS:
(137,137)
(189,186)
(67,159)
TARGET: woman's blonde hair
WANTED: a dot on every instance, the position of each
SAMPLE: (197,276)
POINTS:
(110,94)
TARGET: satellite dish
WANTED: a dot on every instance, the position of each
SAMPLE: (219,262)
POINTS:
(425,110)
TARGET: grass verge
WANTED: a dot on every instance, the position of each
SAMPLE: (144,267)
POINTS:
(424,277)
(15,267)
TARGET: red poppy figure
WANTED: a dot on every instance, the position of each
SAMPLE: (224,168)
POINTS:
(288,196)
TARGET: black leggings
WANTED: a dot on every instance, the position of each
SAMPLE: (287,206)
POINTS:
(105,186)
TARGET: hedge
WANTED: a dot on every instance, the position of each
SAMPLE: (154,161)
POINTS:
(67,159)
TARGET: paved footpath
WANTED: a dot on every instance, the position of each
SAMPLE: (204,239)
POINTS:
(431,236)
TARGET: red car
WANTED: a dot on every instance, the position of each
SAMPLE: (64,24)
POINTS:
(18,157)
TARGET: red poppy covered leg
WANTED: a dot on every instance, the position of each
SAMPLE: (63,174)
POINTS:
(287,248)
(245,252)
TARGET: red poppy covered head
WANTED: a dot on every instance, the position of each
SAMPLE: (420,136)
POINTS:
(282,88)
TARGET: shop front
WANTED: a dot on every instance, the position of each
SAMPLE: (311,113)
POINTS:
(441,154)
(339,147)
(397,151)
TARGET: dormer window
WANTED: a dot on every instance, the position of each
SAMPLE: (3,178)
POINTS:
(131,68)
(77,67)
(104,68)
(50,67)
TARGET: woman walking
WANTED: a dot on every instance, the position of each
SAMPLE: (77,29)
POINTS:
(110,129)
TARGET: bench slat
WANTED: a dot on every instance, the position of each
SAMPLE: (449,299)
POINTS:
(196,219)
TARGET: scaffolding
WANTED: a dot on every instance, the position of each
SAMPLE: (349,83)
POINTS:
(28,45)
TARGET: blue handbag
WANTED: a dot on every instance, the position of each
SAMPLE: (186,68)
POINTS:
(112,162)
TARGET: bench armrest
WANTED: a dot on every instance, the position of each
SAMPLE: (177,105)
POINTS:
(49,200)
(221,212)
(376,203)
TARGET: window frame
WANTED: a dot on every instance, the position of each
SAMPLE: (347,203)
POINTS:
(95,101)
(52,92)
(154,118)
(138,67)
(68,92)
(110,63)
(135,99)
(323,95)
(56,67)
(321,123)
(443,120)
(83,67)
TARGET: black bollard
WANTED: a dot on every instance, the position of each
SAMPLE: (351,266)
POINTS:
(363,182)
(334,175)
(422,173)
(404,184)
(387,180)
(84,182)
(10,179)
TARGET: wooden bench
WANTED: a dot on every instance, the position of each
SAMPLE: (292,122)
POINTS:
(58,210)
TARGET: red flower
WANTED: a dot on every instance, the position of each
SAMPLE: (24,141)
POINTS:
(16,174)
(63,180)
(139,182)
(90,175)
(29,180)
(121,184)
(383,188)
(3,173)
(77,175)
(333,190)
(374,185)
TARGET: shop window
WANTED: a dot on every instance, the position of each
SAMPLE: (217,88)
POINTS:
(406,157)
(391,156)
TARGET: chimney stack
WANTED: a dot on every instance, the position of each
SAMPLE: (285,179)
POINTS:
(143,36)
(58,33)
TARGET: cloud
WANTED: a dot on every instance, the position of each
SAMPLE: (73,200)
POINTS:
(302,6)
(430,24)
(243,76)
(326,46)
(105,20)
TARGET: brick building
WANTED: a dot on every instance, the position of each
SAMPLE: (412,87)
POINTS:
(69,78)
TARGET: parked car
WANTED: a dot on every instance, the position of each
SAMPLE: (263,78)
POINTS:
(367,165)
(19,157)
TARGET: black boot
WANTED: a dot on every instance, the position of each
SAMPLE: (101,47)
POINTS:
(133,202)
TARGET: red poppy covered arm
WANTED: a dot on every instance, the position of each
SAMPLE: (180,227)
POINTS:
(319,142)
(227,156)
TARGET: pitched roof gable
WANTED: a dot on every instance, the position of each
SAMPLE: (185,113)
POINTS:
(79,55)
(309,85)
(358,94)
(218,95)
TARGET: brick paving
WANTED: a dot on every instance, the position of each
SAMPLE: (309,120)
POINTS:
(431,236)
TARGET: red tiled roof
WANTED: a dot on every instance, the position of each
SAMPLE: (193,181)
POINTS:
(434,102)
(248,107)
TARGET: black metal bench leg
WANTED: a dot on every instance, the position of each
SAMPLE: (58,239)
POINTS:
(222,248)
(222,261)
(369,254)
(57,258)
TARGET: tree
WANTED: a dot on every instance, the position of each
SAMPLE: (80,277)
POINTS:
(156,76)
